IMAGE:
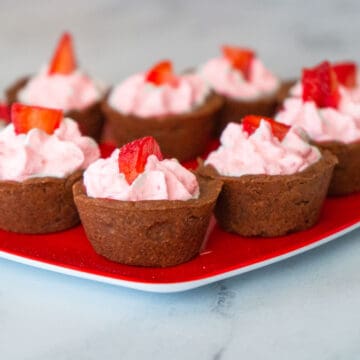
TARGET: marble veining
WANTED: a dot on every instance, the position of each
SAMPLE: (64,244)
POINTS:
(224,301)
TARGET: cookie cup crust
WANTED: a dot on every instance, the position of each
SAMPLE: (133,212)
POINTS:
(346,176)
(233,110)
(183,136)
(272,205)
(156,233)
(38,205)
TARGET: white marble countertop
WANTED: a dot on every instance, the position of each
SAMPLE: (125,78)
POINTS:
(306,307)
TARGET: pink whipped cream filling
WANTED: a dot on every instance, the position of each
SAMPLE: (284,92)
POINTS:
(230,82)
(37,154)
(138,97)
(261,152)
(350,103)
(161,180)
(326,124)
(296,90)
(75,91)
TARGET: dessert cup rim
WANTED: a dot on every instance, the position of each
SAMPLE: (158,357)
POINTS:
(212,103)
(327,159)
(210,195)
(42,179)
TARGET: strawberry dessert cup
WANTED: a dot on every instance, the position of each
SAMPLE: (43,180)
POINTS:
(244,84)
(274,181)
(330,115)
(42,155)
(177,110)
(138,209)
(62,85)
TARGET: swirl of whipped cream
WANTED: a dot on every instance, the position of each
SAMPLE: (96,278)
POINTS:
(137,96)
(261,152)
(38,154)
(325,124)
(349,103)
(75,91)
(161,180)
(230,82)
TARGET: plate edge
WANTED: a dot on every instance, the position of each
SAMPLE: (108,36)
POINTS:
(177,286)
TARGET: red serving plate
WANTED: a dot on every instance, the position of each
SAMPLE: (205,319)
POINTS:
(223,255)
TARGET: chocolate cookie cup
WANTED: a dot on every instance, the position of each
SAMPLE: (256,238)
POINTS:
(38,205)
(156,233)
(346,176)
(233,110)
(183,136)
(272,205)
(90,119)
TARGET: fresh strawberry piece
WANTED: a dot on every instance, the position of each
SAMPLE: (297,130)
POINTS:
(162,73)
(346,73)
(64,60)
(240,58)
(321,86)
(4,112)
(133,156)
(251,122)
(26,117)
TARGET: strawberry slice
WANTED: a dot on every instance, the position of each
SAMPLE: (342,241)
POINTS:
(162,73)
(26,117)
(133,156)
(240,59)
(4,112)
(321,86)
(346,73)
(251,122)
(63,61)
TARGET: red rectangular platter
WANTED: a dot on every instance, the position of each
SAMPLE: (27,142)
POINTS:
(222,256)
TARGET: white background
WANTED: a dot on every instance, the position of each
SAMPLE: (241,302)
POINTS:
(303,308)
